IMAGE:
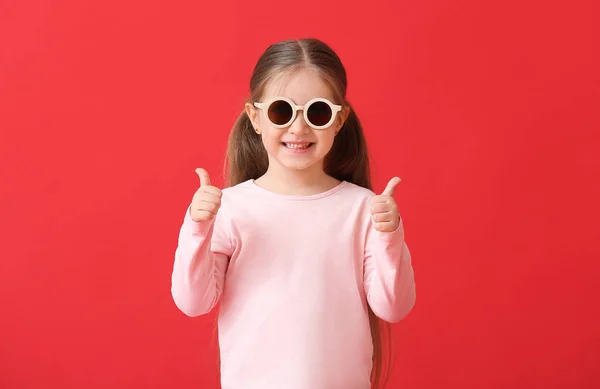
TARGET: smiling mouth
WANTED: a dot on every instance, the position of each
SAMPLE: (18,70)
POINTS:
(297,146)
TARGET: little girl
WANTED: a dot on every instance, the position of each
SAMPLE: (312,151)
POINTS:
(303,257)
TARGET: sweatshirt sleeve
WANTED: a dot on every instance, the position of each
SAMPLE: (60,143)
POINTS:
(388,274)
(201,260)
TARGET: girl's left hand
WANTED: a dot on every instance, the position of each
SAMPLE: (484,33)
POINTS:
(384,210)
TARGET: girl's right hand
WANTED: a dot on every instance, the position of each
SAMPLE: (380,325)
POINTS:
(207,199)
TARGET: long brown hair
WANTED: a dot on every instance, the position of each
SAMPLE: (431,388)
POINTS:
(348,159)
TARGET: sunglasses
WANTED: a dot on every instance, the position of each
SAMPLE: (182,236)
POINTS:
(319,113)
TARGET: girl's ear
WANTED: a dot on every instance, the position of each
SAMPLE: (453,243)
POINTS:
(252,113)
(342,116)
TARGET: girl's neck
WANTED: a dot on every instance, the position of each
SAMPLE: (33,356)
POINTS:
(296,182)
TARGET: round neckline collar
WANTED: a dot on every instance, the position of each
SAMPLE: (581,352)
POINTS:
(315,196)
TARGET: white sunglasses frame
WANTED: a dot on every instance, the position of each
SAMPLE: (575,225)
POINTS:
(304,108)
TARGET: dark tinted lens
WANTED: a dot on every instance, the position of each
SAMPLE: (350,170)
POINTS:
(319,113)
(280,112)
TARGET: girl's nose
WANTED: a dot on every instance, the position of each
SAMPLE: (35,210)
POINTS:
(299,125)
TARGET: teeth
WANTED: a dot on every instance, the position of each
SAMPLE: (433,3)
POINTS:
(297,145)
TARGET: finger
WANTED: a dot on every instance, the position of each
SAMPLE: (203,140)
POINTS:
(391,186)
(203,215)
(213,190)
(208,207)
(385,227)
(382,208)
(381,199)
(204,177)
(378,218)
(382,217)
(208,197)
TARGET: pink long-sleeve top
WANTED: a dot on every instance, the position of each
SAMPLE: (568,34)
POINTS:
(293,276)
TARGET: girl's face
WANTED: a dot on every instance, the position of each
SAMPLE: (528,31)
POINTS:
(297,147)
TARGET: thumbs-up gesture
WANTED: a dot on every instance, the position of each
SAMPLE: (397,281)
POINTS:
(384,210)
(207,199)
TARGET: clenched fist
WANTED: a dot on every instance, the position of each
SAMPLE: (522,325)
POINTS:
(207,199)
(384,210)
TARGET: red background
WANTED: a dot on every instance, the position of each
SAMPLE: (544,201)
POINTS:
(487,110)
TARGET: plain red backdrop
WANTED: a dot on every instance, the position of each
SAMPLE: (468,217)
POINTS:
(487,110)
